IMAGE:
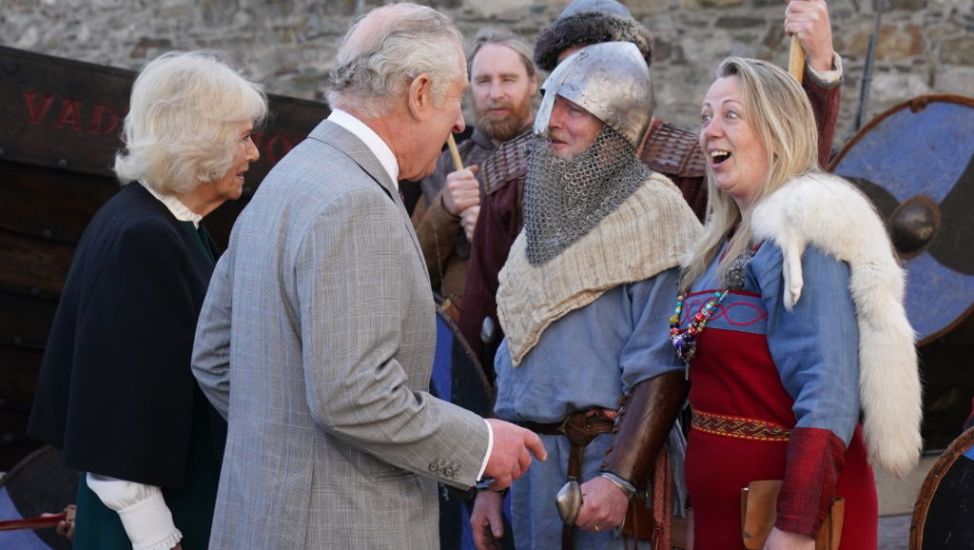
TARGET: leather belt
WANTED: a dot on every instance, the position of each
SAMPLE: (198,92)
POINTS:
(580,428)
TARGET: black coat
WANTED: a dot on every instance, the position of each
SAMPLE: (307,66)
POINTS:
(115,391)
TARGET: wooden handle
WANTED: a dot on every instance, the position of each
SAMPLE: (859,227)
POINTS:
(796,60)
(455,153)
(31,523)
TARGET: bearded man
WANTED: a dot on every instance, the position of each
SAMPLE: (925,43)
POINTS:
(667,149)
(503,83)
(584,301)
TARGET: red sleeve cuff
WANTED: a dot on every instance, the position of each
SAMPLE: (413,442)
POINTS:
(814,459)
(825,104)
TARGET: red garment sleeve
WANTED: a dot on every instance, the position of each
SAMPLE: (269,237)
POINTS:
(813,462)
(497,226)
(825,104)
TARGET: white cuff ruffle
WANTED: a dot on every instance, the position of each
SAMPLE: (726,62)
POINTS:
(145,516)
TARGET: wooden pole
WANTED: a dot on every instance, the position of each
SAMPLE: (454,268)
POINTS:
(796,60)
(455,153)
(38,522)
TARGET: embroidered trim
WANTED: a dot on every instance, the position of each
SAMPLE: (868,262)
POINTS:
(739,427)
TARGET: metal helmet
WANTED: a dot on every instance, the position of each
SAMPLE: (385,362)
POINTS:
(609,80)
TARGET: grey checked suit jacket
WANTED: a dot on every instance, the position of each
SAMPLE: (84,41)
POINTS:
(316,342)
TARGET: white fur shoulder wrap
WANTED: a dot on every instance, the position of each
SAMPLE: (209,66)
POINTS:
(826,211)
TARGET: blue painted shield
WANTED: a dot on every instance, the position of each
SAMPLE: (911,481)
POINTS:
(458,378)
(916,163)
(457,375)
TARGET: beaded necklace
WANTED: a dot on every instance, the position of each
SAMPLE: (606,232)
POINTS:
(685,341)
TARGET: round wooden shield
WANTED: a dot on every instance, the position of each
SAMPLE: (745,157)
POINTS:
(457,375)
(943,517)
(916,163)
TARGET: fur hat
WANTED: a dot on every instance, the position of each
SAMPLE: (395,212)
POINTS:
(586,22)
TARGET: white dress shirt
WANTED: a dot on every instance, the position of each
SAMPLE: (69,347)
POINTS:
(371,139)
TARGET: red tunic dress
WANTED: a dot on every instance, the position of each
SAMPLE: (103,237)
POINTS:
(742,431)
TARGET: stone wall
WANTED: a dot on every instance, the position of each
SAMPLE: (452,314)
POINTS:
(924,46)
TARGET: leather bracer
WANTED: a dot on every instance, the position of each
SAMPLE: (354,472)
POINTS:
(645,418)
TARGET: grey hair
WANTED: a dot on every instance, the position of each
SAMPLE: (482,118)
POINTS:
(385,50)
(778,110)
(183,121)
(502,37)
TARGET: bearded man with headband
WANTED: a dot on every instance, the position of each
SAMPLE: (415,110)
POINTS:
(584,295)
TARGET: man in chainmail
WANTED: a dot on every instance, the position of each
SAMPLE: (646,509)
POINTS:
(584,301)
(566,197)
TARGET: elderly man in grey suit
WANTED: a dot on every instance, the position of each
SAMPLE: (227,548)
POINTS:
(317,335)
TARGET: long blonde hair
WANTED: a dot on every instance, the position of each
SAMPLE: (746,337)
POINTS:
(777,109)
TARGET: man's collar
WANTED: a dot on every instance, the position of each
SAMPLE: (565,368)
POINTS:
(371,139)
(483,140)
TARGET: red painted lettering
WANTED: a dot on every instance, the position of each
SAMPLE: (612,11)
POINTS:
(277,147)
(104,119)
(70,114)
(36,112)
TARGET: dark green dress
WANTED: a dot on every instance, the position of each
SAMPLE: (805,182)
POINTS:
(98,527)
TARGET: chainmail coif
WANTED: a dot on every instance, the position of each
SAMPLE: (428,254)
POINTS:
(566,198)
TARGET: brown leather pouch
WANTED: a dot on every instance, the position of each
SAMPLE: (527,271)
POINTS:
(759,504)
(639,525)
(639,521)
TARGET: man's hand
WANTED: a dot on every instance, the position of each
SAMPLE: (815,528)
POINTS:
(511,455)
(784,540)
(468,220)
(486,521)
(809,21)
(604,505)
(461,190)
(65,527)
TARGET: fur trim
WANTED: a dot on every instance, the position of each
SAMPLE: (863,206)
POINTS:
(586,28)
(646,234)
(829,213)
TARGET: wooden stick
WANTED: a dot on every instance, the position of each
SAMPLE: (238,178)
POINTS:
(455,153)
(31,523)
(796,60)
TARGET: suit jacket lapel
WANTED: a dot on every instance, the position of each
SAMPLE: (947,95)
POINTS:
(341,139)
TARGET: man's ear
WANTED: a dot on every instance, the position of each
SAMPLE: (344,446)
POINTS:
(419,97)
(533,85)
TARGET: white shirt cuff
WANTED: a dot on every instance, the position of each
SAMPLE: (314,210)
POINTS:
(490,448)
(145,516)
(828,79)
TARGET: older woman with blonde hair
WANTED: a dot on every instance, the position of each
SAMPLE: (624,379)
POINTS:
(790,321)
(115,391)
